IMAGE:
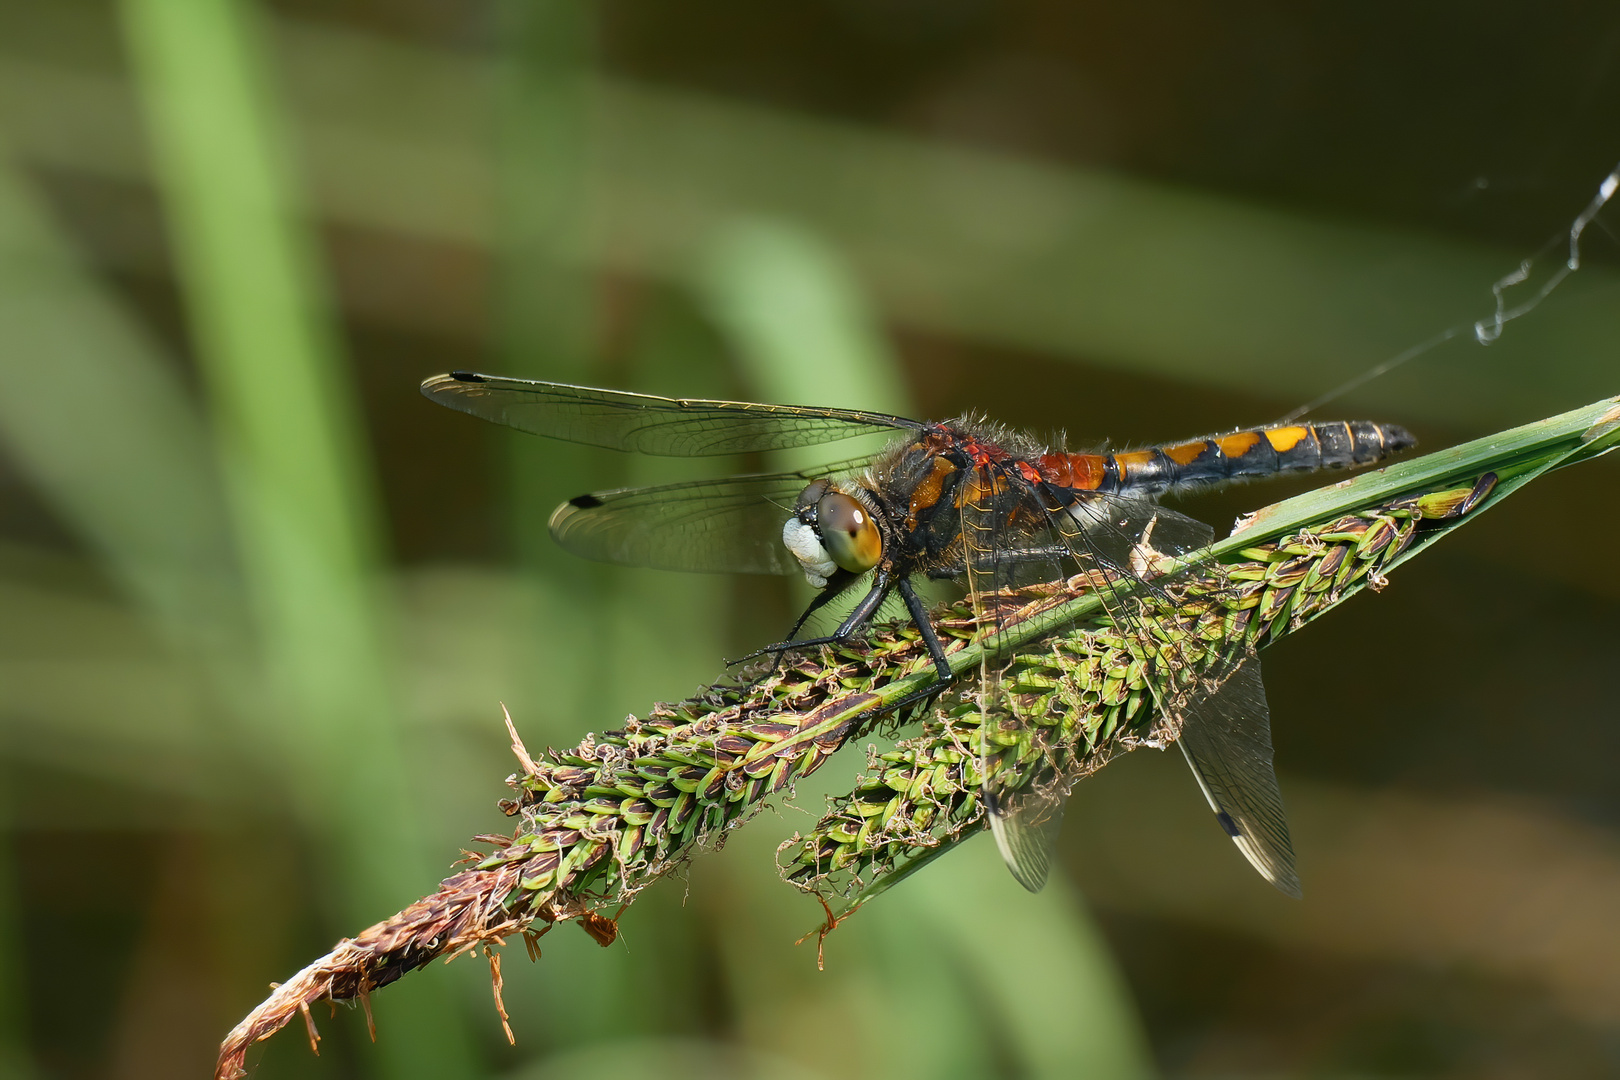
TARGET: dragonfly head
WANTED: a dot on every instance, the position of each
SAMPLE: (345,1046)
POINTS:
(832,530)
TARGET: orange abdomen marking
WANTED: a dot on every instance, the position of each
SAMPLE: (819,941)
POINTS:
(1253,453)
(1235,446)
(1284,439)
(1187,453)
(1135,465)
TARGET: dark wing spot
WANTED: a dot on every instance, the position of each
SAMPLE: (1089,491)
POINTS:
(585,502)
(467,376)
(1228,824)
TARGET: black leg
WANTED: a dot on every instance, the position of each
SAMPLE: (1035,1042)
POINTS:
(852,622)
(919,615)
(830,592)
(863,610)
(856,618)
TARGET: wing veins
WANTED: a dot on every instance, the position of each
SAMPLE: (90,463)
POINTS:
(646,423)
(728,524)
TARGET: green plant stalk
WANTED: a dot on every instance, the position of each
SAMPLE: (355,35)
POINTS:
(1083,696)
(602,821)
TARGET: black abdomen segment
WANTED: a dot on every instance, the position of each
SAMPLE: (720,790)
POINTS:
(1243,454)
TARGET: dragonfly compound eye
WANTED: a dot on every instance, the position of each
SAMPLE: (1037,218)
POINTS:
(799,534)
(812,494)
(848,532)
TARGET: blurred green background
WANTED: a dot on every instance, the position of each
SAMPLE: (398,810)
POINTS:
(259,600)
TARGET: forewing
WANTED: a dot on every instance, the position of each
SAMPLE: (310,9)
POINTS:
(731,525)
(646,424)
(1226,736)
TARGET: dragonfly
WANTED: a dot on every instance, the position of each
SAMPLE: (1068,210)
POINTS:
(960,500)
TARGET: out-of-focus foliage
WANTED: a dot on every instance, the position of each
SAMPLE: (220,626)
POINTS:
(259,601)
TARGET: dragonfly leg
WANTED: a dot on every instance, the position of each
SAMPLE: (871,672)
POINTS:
(936,649)
(863,611)
(833,590)
(852,622)
(925,627)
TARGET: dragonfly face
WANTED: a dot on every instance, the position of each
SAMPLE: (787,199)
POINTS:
(948,500)
(833,529)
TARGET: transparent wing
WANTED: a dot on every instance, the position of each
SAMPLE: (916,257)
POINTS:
(645,424)
(1026,828)
(1226,737)
(1224,724)
(1023,799)
(732,525)
(1016,533)
(1124,535)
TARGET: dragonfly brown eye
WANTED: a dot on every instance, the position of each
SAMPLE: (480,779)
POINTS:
(848,532)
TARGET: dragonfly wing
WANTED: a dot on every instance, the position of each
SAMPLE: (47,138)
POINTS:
(1225,724)
(730,525)
(1121,532)
(1226,737)
(646,424)
(1028,840)
(1023,795)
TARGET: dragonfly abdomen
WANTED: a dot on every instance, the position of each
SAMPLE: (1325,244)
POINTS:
(1242,454)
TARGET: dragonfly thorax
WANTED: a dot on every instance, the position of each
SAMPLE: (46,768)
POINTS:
(832,530)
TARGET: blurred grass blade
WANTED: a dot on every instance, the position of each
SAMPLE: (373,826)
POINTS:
(543,323)
(544,69)
(289,433)
(797,317)
(97,417)
(544,301)
(1047,972)
(543,312)
(95,414)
